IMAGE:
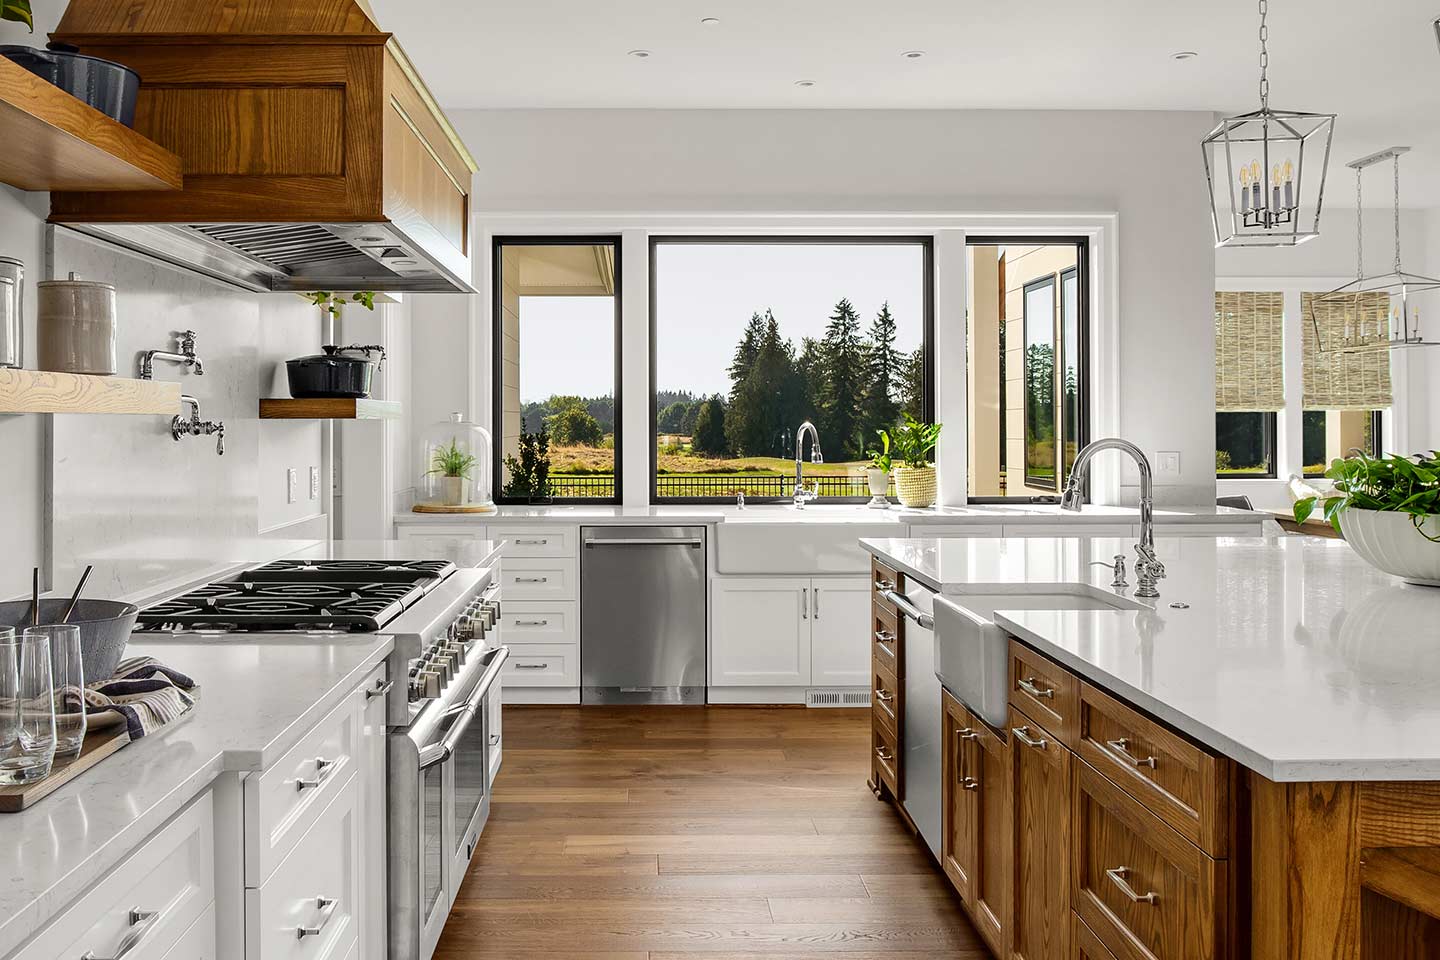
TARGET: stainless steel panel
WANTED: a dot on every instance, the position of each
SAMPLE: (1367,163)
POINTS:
(923,732)
(642,614)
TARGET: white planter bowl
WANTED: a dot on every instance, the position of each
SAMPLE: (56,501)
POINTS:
(1389,541)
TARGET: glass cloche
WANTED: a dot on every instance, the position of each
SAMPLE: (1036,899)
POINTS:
(456,462)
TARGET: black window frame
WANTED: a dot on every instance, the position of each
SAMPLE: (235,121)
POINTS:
(1270,425)
(1052,281)
(927,399)
(497,356)
(1083,327)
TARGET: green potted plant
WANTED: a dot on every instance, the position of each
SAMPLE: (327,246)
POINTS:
(878,474)
(530,472)
(1387,509)
(453,465)
(332,302)
(913,443)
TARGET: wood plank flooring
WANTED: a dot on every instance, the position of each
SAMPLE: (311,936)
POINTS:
(697,833)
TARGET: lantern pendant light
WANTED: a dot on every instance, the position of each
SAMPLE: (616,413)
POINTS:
(1265,195)
(1373,312)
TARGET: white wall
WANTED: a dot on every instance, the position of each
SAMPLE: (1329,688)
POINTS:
(994,167)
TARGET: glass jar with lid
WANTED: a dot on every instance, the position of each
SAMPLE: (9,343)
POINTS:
(456,462)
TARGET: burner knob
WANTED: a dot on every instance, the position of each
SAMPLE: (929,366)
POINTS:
(456,652)
(469,627)
(430,684)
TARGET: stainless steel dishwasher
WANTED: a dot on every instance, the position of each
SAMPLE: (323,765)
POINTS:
(642,614)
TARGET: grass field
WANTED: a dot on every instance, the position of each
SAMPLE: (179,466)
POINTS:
(600,460)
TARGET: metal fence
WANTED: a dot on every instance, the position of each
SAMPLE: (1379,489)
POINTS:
(693,486)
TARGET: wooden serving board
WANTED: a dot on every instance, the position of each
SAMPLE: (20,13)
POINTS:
(462,508)
(98,745)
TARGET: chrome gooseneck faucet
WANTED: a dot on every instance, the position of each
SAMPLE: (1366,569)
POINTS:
(186,357)
(195,427)
(1148,568)
(803,495)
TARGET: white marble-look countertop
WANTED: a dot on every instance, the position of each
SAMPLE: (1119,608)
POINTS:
(461,551)
(1294,656)
(257,698)
(822,513)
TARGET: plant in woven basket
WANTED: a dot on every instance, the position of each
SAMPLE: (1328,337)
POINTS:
(913,443)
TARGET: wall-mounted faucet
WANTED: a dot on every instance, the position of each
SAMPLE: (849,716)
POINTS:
(1148,568)
(186,357)
(803,495)
(195,427)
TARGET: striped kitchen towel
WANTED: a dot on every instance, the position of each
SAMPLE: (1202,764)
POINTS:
(146,693)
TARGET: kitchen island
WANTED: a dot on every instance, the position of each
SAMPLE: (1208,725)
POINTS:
(1248,765)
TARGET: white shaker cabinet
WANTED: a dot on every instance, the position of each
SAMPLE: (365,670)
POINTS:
(839,633)
(789,632)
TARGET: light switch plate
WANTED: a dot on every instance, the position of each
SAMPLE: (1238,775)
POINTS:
(1167,465)
(292,483)
(314,483)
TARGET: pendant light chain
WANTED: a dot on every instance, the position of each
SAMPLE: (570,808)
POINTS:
(1396,160)
(1264,56)
(1359,232)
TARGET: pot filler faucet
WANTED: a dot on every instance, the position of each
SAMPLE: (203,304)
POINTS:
(185,358)
(803,495)
(1148,568)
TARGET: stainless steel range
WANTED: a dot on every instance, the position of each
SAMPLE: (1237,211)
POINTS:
(444,672)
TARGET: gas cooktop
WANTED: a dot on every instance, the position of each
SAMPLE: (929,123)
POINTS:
(291,595)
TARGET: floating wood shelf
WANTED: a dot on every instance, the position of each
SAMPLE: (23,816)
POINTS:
(54,141)
(329,408)
(40,391)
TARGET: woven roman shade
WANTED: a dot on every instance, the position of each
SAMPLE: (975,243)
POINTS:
(1249,351)
(1345,381)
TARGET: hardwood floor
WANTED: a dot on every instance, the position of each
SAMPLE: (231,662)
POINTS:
(722,833)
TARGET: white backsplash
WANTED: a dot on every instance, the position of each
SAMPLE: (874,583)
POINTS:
(145,508)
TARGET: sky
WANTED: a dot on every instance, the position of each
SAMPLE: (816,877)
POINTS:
(705,293)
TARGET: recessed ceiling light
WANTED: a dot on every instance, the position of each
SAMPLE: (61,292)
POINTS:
(639,54)
(913,54)
(709,21)
(1185,55)
(804,83)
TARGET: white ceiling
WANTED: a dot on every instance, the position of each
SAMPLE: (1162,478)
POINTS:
(1374,62)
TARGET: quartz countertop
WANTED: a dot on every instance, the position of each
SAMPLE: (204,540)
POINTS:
(257,698)
(461,551)
(1294,656)
(825,513)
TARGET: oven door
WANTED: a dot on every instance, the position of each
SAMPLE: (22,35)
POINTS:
(468,772)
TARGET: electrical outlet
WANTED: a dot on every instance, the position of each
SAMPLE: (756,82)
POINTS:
(314,483)
(292,483)
(1167,465)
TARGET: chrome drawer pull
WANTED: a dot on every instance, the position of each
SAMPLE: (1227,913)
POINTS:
(532,579)
(532,666)
(531,543)
(532,623)
(1121,747)
(883,754)
(884,636)
(1023,735)
(969,783)
(141,923)
(883,695)
(1038,692)
(381,688)
(883,585)
(323,769)
(1119,876)
(327,907)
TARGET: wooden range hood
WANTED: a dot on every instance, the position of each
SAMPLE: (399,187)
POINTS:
(314,157)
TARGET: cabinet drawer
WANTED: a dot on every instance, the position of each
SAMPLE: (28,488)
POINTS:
(547,540)
(885,759)
(1084,945)
(1171,777)
(282,803)
(885,639)
(157,893)
(308,910)
(883,577)
(1146,892)
(557,621)
(541,665)
(539,579)
(887,698)
(1044,691)
(197,943)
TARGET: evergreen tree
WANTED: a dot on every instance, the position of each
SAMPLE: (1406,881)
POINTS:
(709,436)
(845,381)
(692,414)
(767,400)
(670,419)
(746,351)
(912,384)
(810,368)
(881,409)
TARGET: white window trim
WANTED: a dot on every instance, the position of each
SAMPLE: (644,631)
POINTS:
(948,232)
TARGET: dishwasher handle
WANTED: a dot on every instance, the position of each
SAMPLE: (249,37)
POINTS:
(924,620)
(645,542)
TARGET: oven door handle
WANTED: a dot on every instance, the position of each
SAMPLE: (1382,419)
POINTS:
(445,749)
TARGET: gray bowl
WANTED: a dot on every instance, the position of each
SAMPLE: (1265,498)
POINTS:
(105,627)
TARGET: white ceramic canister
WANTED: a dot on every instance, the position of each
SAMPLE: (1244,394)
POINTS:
(12,315)
(76,326)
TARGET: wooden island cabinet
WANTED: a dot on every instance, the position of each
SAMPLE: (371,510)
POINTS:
(1089,830)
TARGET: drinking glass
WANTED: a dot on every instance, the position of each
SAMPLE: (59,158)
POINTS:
(27,708)
(68,677)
